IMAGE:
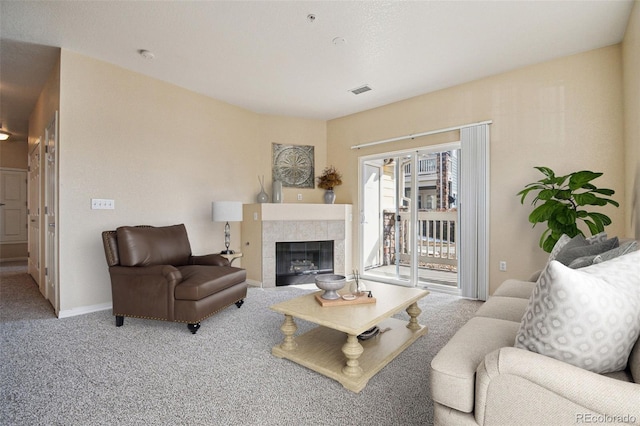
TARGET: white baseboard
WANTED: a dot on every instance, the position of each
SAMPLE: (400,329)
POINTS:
(14,259)
(84,310)
(254,283)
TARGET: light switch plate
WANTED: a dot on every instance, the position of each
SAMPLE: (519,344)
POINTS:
(102,204)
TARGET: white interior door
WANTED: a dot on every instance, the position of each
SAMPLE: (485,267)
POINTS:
(34,214)
(13,206)
(50,209)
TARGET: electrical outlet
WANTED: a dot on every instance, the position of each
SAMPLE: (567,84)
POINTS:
(299,197)
(503,265)
(102,204)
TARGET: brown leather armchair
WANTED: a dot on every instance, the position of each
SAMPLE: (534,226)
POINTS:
(155,276)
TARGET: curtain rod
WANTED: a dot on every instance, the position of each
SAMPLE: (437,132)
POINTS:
(417,135)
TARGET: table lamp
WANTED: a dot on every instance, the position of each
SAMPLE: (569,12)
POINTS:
(226,211)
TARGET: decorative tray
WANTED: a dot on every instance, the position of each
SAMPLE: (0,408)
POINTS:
(358,300)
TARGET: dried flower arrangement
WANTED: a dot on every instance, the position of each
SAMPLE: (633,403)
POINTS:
(330,178)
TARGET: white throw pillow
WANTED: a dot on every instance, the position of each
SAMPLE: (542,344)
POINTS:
(587,317)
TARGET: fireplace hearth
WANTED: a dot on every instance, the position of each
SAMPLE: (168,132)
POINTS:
(300,261)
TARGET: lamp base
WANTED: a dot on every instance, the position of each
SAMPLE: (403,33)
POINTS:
(227,252)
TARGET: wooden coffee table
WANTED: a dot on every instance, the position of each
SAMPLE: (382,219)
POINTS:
(333,348)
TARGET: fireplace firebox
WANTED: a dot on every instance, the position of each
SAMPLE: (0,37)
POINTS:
(299,262)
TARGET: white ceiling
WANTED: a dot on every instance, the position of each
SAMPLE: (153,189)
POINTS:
(268,57)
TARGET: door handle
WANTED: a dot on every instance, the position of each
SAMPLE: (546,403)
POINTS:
(52,225)
(1,204)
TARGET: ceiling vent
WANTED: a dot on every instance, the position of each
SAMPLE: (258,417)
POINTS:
(360,89)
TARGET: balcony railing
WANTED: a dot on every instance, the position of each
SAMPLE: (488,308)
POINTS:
(436,235)
(425,166)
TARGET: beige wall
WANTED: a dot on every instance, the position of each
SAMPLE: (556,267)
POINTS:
(163,154)
(565,114)
(631,78)
(13,155)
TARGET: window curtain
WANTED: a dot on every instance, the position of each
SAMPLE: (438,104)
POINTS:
(474,212)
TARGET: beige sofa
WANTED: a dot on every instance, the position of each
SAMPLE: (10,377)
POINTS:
(479,377)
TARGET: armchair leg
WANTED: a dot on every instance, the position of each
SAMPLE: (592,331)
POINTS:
(239,303)
(193,328)
(119,320)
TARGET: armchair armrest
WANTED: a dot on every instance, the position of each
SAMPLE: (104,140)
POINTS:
(145,291)
(515,385)
(209,259)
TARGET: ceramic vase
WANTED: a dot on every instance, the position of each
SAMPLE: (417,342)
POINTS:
(262,197)
(277,191)
(329,196)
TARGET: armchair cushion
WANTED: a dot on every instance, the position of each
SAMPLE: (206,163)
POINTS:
(145,246)
(199,281)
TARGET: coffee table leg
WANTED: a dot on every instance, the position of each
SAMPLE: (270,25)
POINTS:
(413,312)
(352,350)
(289,328)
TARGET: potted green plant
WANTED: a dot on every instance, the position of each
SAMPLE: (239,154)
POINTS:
(329,179)
(563,200)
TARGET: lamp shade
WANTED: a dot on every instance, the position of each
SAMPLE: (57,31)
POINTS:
(226,211)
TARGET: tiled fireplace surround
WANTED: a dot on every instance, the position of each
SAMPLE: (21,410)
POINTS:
(265,224)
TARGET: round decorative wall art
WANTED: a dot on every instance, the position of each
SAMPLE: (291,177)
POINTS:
(293,165)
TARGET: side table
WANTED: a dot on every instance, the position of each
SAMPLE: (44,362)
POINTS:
(232,256)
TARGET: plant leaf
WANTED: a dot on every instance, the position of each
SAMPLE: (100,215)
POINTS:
(547,194)
(599,217)
(593,228)
(603,191)
(584,199)
(578,179)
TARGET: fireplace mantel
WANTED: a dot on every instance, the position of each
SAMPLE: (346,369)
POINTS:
(265,224)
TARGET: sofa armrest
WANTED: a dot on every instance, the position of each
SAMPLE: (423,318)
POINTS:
(517,386)
(210,260)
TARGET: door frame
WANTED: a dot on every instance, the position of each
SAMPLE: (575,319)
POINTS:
(50,211)
(34,189)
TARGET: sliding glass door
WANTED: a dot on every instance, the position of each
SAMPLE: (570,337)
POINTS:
(409,217)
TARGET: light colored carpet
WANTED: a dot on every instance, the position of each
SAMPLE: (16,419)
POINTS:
(84,371)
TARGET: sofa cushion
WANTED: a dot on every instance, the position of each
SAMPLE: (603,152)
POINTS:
(200,281)
(506,308)
(587,317)
(515,288)
(453,369)
(146,246)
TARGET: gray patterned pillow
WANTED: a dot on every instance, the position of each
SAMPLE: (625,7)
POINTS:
(571,251)
(588,317)
(562,241)
(618,251)
(581,262)
(598,238)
